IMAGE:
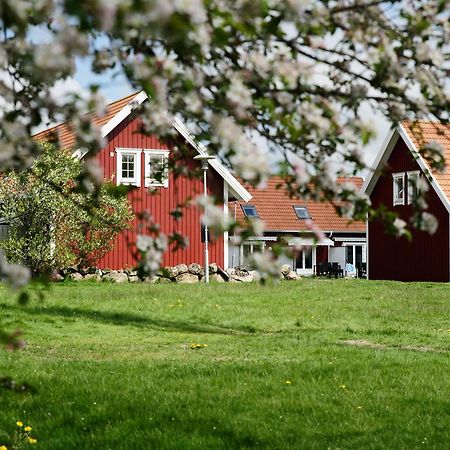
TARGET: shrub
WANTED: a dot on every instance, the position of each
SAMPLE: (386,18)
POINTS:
(52,224)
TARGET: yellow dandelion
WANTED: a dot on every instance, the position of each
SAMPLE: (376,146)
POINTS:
(32,440)
(3,447)
(28,429)
(288,382)
(19,423)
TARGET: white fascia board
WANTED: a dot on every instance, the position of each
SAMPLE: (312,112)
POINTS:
(415,152)
(237,189)
(123,113)
(382,156)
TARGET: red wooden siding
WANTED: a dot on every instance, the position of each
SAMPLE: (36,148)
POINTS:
(426,257)
(159,205)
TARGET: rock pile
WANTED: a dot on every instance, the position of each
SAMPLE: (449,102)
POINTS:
(182,273)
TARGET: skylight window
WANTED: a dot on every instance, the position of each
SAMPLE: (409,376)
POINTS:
(250,211)
(302,212)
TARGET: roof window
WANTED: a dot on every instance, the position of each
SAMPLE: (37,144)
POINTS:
(250,211)
(302,212)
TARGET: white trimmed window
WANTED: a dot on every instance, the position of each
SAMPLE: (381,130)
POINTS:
(398,183)
(413,185)
(156,170)
(128,166)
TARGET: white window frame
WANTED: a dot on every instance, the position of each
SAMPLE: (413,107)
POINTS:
(152,182)
(136,181)
(395,197)
(413,178)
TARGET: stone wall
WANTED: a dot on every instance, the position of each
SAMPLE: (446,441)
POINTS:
(182,273)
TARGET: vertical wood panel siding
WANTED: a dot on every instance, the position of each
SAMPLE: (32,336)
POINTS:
(160,204)
(426,257)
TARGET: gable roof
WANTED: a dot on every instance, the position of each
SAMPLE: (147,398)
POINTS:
(276,209)
(415,135)
(116,113)
(64,133)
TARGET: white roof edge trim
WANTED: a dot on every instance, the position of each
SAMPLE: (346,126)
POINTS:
(123,113)
(233,183)
(382,156)
(412,148)
(237,189)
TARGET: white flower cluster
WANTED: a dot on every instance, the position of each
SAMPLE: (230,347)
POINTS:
(266,265)
(213,216)
(250,161)
(152,251)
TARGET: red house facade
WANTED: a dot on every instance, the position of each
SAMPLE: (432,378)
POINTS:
(392,184)
(133,158)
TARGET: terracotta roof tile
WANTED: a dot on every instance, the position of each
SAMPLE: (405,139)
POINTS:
(63,132)
(276,209)
(421,133)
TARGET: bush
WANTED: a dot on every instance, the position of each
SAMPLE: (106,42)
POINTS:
(51,223)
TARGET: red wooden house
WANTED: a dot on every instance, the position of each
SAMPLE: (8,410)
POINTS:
(393,183)
(292,221)
(133,158)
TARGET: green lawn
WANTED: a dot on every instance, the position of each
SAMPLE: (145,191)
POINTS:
(367,363)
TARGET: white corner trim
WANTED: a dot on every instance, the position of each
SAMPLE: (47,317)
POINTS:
(412,148)
(225,233)
(381,158)
(136,181)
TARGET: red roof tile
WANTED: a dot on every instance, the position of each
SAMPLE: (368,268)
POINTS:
(421,133)
(276,209)
(63,132)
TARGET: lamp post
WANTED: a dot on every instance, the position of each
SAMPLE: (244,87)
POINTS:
(204,160)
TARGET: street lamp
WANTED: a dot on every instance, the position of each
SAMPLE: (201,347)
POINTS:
(204,160)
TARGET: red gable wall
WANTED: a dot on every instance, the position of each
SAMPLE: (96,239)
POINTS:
(180,189)
(426,257)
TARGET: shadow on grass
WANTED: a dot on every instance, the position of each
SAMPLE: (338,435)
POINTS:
(125,319)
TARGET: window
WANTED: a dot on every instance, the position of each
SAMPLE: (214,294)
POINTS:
(413,185)
(398,188)
(249,211)
(156,170)
(302,212)
(128,166)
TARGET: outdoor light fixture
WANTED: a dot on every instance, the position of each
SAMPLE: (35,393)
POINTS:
(204,158)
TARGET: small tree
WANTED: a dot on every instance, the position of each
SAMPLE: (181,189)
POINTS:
(53,224)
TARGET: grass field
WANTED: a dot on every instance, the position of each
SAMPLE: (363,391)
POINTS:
(326,364)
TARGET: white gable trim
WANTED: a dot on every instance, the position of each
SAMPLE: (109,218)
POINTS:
(381,159)
(123,113)
(385,153)
(424,167)
(236,188)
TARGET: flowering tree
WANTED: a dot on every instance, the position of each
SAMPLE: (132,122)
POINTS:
(295,73)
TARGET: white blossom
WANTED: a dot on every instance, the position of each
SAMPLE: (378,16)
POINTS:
(152,251)
(429,223)
(239,96)
(399,227)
